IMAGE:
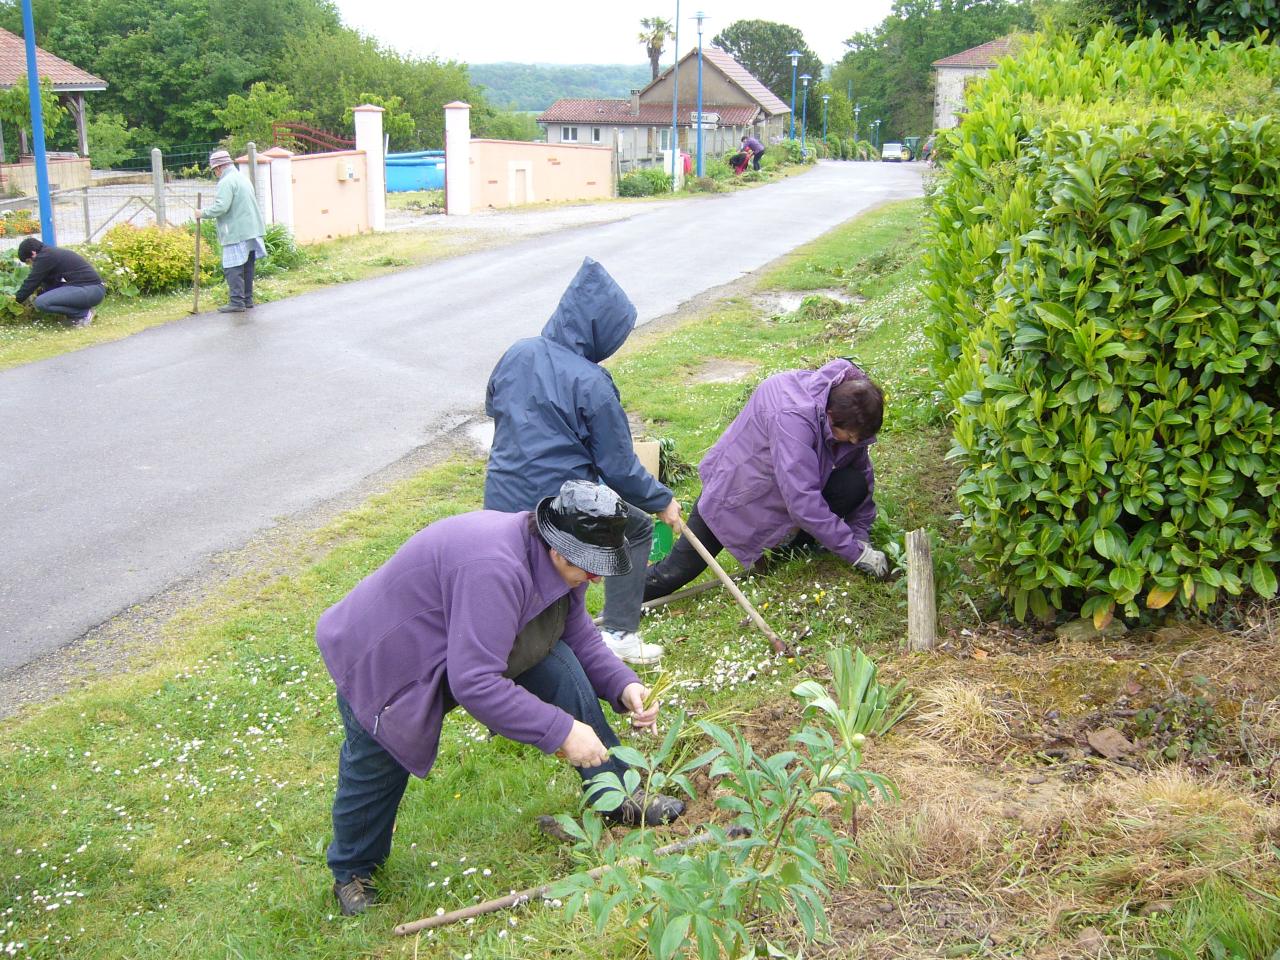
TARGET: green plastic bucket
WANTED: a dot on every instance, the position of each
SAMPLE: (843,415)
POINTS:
(663,538)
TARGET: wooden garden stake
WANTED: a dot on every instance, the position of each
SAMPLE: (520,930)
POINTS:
(195,279)
(524,896)
(922,612)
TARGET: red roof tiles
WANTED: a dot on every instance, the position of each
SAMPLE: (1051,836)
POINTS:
(739,74)
(983,55)
(617,113)
(63,75)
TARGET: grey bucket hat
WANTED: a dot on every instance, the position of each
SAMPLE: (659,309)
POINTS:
(218,159)
(586,524)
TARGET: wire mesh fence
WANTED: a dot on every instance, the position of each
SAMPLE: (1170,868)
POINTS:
(183,156)
(83,215)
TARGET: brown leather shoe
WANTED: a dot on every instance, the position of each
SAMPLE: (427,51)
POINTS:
(355,896)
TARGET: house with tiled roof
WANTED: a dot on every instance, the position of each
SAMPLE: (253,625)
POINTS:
(952,74)
(69,82)
(734,104)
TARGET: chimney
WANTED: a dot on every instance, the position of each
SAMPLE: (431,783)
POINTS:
(635,103)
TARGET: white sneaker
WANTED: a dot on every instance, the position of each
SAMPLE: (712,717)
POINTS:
(629,647)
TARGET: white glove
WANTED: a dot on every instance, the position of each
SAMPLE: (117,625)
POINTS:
(873,562)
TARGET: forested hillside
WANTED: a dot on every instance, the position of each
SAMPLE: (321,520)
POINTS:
(535,86)
(172,66)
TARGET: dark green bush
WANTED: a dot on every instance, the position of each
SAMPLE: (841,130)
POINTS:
(1104,272)
(644,183)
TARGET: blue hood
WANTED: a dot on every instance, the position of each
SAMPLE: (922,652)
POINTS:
(594,317)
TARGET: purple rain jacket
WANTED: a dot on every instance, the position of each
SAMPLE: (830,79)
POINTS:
(764,477)
(451,601)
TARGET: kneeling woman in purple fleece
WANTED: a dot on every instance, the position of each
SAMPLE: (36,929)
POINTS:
(485,611)
(792,468)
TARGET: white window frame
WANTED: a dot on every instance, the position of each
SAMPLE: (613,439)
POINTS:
(596,135)
(568,134)
(664,138)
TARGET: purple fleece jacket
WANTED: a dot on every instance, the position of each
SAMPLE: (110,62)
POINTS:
(450,603)
(764,477)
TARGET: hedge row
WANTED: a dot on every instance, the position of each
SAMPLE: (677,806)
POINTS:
(1106,283)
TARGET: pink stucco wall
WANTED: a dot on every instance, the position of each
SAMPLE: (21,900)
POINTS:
(326,206)
(508,173)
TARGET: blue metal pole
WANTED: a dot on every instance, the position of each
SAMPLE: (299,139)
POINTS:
(804,116)
(37,128)
(699,17)
(675,100)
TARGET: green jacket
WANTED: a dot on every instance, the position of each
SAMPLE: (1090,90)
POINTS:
(236,209)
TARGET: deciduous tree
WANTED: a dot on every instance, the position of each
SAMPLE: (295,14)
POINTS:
(764,48)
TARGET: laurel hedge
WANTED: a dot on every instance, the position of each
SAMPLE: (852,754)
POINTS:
(1105,276)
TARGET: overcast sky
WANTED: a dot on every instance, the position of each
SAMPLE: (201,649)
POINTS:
(598,31)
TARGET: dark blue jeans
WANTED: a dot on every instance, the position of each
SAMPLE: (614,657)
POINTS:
(72,300)
(371,782)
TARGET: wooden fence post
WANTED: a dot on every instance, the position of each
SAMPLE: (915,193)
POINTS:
(922,614)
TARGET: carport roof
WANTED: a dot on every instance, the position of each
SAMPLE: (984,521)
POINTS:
(65,77)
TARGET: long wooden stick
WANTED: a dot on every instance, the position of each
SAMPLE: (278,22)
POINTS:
(684,594)
(523,896)
(743,602)
(195,279)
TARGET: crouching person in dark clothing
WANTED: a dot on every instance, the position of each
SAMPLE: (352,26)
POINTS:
(485,611)
(67,282)
(792,469)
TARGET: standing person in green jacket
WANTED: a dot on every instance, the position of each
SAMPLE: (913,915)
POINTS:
(240,230)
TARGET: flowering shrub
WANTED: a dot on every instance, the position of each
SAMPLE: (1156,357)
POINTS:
(644,183)
(149,259)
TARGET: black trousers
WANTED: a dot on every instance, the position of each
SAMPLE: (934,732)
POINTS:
(844,491)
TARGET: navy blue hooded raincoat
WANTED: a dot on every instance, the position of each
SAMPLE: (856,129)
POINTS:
(556,412)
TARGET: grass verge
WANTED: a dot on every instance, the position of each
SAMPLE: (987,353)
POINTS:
(182,811)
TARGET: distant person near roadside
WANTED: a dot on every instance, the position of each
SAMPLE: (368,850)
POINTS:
(240,230)
(756,148)
(67,282)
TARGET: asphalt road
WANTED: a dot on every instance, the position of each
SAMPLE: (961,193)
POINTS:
(125,466)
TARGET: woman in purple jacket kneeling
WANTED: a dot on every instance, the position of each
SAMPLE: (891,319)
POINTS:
(483,611)
(792,468)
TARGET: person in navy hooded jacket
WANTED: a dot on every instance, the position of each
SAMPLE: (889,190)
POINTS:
(557,416)
(484,611)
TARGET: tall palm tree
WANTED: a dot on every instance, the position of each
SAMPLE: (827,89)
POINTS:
(654,32)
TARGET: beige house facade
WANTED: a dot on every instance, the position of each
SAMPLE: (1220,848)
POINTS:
(954,73)
(734,104)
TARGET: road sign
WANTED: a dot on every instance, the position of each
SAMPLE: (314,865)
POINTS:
(705,119)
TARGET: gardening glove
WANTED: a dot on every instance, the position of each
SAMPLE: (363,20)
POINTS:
(873,563)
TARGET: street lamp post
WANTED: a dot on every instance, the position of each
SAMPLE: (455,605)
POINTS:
(795,59)
(825,98)
(857,112)
(699,16)
(804,116)
(876,133)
